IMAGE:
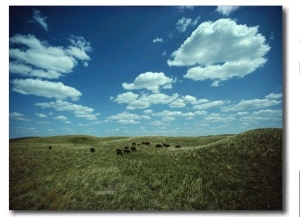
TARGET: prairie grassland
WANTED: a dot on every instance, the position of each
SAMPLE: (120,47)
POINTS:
(226,172)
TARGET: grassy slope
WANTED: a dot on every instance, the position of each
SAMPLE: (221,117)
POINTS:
(236,172)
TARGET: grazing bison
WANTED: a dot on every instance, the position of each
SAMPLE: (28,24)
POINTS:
(166,145)
(146,143)
(50,147)
(126,147)
(177,146)
(126,151)
(119,152)
(158,146)
(133,148)
(92,150)
(133,143)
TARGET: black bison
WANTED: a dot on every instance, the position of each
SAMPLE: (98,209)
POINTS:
(158,146)
(133,148)
(177,146)
(50,147)
(92,150)
(133,143)
(126,151)
(166,145)
(119,152)
(146,143)
(126,147)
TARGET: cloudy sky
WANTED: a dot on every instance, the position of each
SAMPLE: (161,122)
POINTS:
(109,71)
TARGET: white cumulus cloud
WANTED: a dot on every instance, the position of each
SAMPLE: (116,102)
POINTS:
(274,96)
(46,89)
(143,101)
(40,19)
(167,113)
(78,48)
(268,115)
(226,10)
(183,23)
(221,50)
(148,111)
(157,40)
(79,111)
(17,116)
(27,70)
(125,118)
(216,117)
(40,115)
(253,104)
(185,8)
(151,81)
(42,60)
(184,100)
(209,105)
(152,99)
(127,97)
(61,118)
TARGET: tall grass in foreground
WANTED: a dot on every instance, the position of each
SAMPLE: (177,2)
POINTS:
(233,172)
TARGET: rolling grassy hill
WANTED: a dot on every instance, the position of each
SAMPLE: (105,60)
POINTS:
(226,172)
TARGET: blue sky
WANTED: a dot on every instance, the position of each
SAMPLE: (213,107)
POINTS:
(173,71)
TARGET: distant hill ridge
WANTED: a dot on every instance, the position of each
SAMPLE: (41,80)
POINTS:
(260,135)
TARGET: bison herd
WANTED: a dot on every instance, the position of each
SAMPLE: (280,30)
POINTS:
(128,149)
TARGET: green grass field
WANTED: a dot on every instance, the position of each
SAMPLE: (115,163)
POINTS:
(226,172)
